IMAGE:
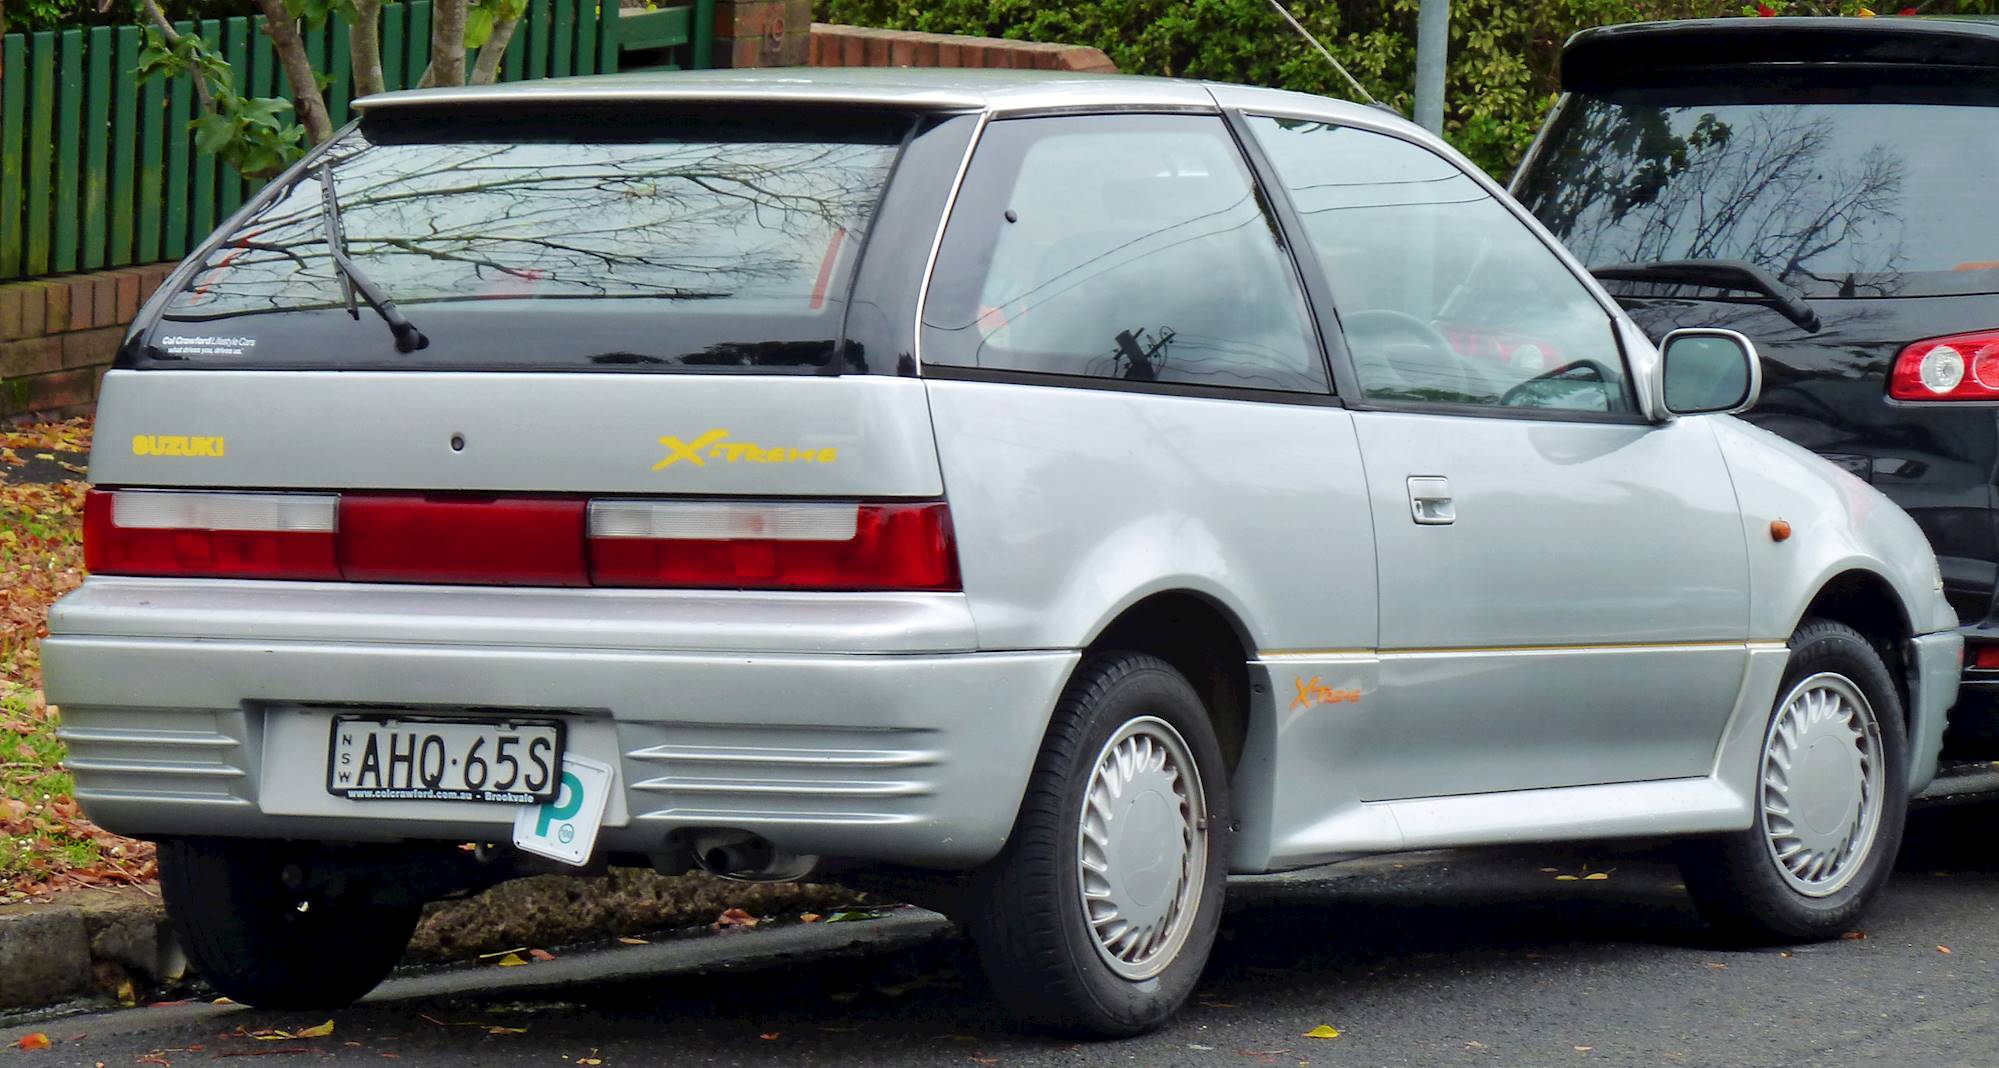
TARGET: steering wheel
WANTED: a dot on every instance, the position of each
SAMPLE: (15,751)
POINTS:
(1431,366)
(1599,371)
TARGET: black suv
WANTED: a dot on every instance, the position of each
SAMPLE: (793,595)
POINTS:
(1829,187)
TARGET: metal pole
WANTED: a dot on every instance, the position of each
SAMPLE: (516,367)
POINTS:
(1433,38)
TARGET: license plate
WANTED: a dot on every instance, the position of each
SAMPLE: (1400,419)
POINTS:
(414,758)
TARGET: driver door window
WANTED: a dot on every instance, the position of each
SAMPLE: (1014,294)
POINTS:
(1444,296)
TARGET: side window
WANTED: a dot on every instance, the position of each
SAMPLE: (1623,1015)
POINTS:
(1444,296)
(1129,246)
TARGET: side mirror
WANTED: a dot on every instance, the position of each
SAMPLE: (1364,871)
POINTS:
(1705,370)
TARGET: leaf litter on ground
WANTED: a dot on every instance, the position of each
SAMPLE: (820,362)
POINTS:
(46,844)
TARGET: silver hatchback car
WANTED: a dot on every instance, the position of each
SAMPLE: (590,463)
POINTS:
(1055,493)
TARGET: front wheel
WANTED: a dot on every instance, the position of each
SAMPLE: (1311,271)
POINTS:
(1832,795)
(1097,917)
(263,941)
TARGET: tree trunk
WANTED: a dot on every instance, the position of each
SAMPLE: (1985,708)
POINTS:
(306,97)
(364,40)
(447,41)
(495,50)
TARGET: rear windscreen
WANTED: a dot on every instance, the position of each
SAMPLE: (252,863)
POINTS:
(605,240)
(1837,195)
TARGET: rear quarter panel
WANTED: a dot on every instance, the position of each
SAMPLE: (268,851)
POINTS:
(1072,504)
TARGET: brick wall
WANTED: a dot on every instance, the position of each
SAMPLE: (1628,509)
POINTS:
(58,336)
(859,46)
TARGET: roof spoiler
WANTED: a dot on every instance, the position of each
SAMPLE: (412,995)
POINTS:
(1611,56)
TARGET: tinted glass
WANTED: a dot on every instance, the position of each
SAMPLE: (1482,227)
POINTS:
(1840,199)
(684,244)
(1444,295)
(1130,247)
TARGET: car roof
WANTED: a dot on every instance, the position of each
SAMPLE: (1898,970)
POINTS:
(900,88)
(1611,56)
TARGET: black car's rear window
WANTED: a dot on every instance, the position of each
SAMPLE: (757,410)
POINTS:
(1838,193)
(604,240)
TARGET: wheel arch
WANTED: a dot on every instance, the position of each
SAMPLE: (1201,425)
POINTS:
(1203,639)
(1869,603)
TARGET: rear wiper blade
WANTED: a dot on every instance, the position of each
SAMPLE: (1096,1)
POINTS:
(408,337)
(1718,274)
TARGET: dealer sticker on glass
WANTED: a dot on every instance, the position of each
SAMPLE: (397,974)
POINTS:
(565,829)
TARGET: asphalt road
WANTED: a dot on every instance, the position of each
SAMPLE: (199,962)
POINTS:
(1465,958)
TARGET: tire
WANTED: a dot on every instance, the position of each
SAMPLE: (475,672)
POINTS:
(1043,956)
(244,931)
(1824,805)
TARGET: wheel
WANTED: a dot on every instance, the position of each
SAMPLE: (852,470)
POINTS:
(263,944)
(1097,917)
(1829,814)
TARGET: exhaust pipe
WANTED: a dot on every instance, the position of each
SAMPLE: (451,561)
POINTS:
(749,858)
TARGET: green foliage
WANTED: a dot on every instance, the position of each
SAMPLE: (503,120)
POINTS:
(1503,55)
(482,15)
(248,133)
(26,16)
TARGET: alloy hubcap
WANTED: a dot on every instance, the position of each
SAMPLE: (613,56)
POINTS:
(1142,848)
(1822,783)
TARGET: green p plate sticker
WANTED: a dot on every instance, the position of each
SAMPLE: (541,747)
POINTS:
(566,828)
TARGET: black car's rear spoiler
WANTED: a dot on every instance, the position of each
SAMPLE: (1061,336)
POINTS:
(1612,56)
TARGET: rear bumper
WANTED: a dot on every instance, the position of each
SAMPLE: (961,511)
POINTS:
(201,708)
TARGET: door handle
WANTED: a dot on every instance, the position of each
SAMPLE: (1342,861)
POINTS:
(1430,501)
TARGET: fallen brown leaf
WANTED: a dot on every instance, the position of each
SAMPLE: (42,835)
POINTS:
(735,918)
(37,1040)
(1944,950)
(541,954)
(1854,936)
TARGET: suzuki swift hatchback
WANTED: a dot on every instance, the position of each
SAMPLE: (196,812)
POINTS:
(1065,491)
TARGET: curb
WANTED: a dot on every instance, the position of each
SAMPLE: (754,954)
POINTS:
(97,940)
(116,942)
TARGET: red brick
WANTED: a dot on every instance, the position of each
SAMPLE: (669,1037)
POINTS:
(902,52)
(35,310)
(62,388)
(32,356)
(90,348)
(876,51)
(57,295)
(128,295)
(104,300)
(81,296)
(950,54)
(853,52)
(11,300)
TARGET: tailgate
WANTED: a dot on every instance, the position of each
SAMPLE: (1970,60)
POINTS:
(596,432)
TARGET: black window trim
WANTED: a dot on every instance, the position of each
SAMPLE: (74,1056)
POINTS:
(1345,377)
(1329,396)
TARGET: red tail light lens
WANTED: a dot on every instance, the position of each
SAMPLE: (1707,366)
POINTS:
(522,541)
(1955,368)
(509,541)
(214,535)
(805,545)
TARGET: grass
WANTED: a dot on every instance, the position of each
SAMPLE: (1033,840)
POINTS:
(45,841)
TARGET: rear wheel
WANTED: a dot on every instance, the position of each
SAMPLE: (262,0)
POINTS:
(1832,795)
(262,942)
(1098,916)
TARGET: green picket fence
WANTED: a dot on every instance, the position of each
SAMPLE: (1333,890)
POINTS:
(97,170)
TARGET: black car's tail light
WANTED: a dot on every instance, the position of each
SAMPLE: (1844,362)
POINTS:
(1960,367)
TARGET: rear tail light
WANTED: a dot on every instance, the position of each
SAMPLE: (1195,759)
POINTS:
(507,541)
(1985,656)
(1955,368)
(791,545)
(215,535)
(522,541)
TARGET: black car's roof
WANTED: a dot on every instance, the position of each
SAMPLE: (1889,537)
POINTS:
(1611,56)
